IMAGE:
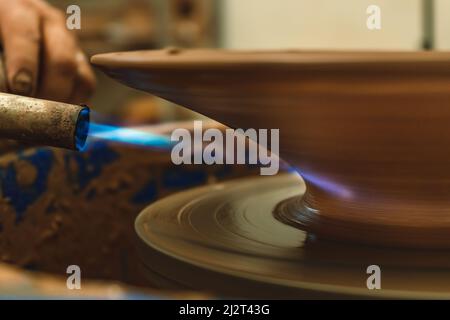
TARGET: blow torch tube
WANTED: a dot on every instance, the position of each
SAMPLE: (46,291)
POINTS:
(43,122)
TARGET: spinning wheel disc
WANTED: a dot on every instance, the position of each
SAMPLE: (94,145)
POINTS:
(225,239)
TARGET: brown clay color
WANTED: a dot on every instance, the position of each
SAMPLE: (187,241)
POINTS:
(224,239)
(368,131)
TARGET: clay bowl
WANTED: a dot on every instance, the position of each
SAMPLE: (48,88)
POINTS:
(368,131)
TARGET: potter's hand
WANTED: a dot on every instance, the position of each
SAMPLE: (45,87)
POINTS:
(42,56)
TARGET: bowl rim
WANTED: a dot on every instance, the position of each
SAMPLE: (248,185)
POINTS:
(178,59)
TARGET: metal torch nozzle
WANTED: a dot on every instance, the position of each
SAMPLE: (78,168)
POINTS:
(43,122)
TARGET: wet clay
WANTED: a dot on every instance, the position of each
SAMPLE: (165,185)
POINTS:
(368,131)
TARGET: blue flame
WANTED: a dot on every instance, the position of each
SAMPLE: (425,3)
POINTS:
(82,129)
(325,184)
(129,136)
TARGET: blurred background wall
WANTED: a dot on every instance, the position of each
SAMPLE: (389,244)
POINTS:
(442,24)
(257,24)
